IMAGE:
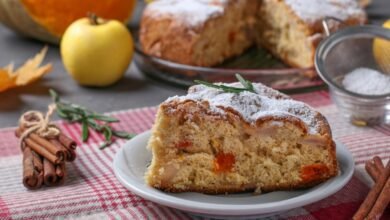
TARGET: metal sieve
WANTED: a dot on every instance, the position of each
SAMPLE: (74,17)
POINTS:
(342,52)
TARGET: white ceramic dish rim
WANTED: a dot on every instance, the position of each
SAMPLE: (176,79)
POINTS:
(233,209)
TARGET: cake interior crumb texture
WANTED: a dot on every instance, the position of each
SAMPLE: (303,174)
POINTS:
(202,144)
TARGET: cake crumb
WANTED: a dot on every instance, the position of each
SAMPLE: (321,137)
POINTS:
(367,81)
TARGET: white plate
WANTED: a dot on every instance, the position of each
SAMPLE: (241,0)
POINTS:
(131,161)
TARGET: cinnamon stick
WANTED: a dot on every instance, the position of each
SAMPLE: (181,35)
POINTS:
(373,195)
(378,163)
(32,179)
(72,155)
(69,154)
(49,173)
(37,160)
(54,175)
(381,203)
(59,146)
(67,141)
(61,173)
(374,168)
(42,142)
(60,170)
(47,145)
(39,149)
(43,152)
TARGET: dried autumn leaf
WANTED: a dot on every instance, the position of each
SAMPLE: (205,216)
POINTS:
(27,73)
(9,68)
(25,78)
(6,81)
(31,70)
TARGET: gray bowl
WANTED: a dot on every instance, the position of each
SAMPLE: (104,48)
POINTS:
(339,54)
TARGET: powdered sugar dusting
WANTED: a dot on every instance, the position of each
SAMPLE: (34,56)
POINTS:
(252,106)
(315,10)
(367,82)
(190,12)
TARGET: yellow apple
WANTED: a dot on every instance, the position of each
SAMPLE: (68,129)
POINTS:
(96,52)
(381,50)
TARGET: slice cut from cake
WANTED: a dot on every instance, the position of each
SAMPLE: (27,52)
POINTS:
(198,32)
(291,29)
(212,141)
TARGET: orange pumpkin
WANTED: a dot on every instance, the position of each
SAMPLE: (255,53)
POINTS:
(47,20)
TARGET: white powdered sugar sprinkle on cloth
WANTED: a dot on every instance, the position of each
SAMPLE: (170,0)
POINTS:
(252,106)
(190,12)
(315,10)
(367,81)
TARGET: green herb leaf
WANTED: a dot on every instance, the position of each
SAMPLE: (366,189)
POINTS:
(85,130)
(54,95)
(92,123)
(207,84)
(62,114)
(107,133)
(104,145)
(248,86)
(103,118)
(222,87)
(88,119)
(75,118)
(122,134)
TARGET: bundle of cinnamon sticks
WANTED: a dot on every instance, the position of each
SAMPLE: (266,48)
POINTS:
(379,196)
(44,159)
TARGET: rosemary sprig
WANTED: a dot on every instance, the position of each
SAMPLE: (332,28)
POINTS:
(88,119)
(248,86)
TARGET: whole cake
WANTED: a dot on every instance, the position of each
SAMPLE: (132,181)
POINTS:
(216,141)
(207,32)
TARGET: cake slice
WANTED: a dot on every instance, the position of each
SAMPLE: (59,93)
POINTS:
(291,29)
(198,32)
(212,141)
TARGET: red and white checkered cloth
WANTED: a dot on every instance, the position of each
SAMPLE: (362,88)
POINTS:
(93,192)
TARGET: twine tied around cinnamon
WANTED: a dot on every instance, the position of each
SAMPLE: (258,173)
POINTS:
(35,121)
